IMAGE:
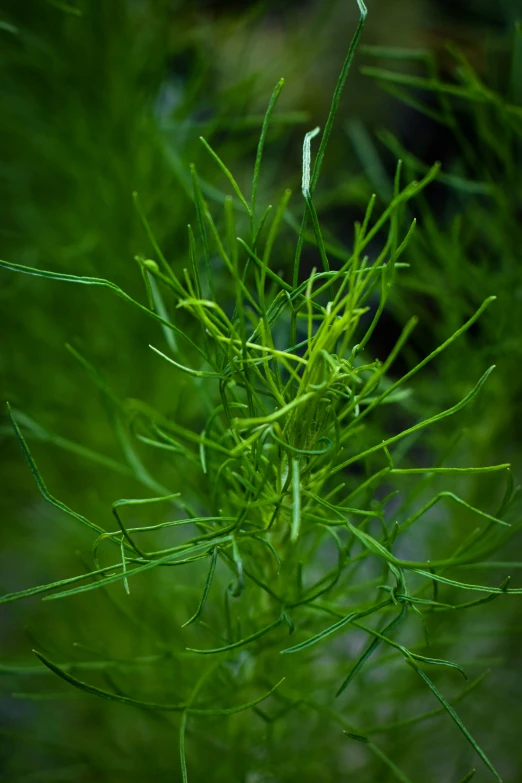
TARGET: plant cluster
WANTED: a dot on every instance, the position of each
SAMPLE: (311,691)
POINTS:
(305,527)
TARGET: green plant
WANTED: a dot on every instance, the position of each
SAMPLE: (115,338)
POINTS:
(95,105)
(469,245)
(295,497)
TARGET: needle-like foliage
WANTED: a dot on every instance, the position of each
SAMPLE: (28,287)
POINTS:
(298,512)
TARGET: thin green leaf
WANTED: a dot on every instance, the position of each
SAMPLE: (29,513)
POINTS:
(40,482)
(97,281)
(296,495)
(261,144)
(206,589)
(228,175)
(241,642)
(453,715)
(83,686)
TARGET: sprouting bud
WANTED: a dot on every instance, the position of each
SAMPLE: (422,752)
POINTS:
(151,265)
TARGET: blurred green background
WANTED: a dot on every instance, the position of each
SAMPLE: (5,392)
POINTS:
(103,98)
